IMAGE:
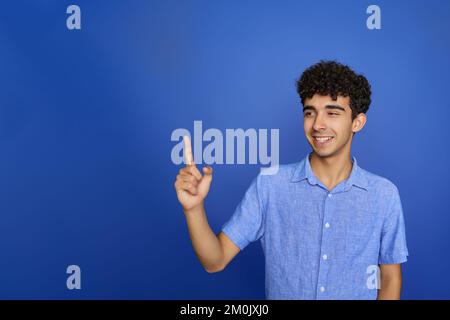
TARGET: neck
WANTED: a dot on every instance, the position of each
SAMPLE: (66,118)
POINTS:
(331,170)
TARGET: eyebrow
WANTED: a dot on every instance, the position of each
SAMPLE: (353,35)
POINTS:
(328,106)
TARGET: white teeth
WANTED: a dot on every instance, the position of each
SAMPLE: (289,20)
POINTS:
(323,139)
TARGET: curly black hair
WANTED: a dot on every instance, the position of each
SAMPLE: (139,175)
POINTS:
(333,78)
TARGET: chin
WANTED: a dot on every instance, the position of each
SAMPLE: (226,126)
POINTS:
(323,153)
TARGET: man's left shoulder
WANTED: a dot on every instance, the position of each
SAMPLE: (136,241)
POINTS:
(379,184)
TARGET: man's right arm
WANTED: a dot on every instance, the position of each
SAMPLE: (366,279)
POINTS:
(214,252)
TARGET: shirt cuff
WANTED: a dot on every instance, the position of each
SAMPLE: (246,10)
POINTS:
(235,236)
(393,259)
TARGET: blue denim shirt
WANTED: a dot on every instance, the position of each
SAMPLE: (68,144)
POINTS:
(321,244)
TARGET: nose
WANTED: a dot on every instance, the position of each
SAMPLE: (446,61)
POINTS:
(319,123)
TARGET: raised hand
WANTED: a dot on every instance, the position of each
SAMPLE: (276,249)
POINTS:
(191,186)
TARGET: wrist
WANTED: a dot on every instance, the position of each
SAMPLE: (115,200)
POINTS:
(198,209)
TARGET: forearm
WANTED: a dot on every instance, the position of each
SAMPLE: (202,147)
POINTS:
(206,244)
(390,288)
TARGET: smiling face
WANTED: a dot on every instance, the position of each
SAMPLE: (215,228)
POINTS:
(328,124)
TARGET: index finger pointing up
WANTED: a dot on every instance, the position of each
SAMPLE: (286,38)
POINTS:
(188,158)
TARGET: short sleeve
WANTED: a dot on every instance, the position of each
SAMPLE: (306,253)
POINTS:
(247,224)
(393,249)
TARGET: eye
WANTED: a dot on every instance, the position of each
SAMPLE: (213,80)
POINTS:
(308,113)
(333,113)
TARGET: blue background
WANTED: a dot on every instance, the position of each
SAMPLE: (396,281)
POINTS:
(86,116)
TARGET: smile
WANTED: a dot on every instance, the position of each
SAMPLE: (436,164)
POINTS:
(322,140)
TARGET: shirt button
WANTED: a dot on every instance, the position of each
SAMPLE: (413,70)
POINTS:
(327,225)
(325,257)
(322,289)
(329,195)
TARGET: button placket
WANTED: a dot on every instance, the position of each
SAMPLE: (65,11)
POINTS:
(323,264)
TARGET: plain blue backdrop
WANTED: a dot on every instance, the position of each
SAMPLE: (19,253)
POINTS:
(86,116)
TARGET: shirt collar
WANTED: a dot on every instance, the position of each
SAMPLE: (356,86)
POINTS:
(304,171)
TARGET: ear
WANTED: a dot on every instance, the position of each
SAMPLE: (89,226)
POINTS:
(359,122)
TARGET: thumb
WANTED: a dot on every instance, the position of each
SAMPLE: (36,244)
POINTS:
(205,183)
(207,170)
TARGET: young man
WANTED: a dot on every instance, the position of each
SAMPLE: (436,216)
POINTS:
(328,228)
